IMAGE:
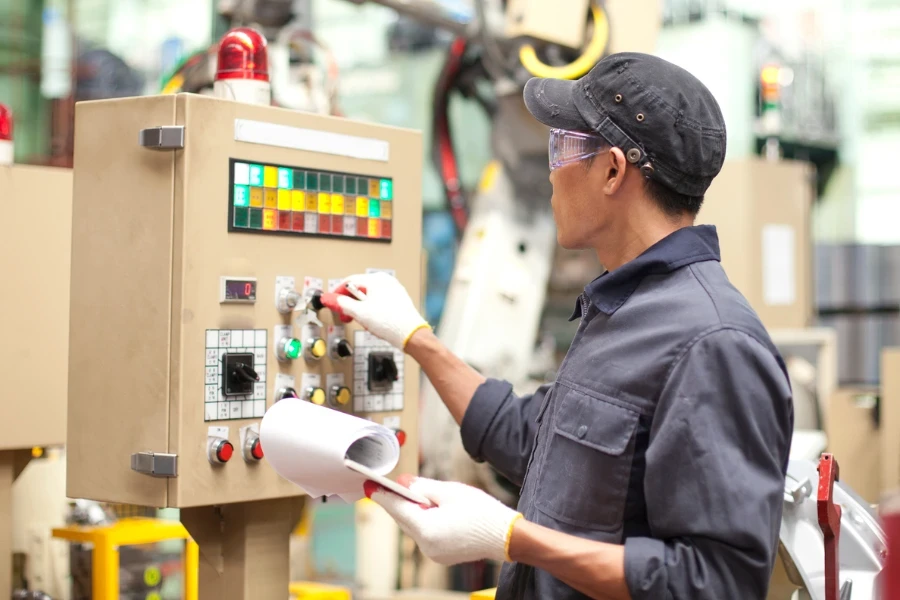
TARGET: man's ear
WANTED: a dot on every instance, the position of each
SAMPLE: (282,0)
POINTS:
(615,170)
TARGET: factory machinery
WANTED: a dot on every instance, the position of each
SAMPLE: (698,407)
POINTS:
(203,231)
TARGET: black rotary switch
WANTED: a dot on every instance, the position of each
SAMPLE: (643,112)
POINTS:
(315,301)
(343,349)
(245,373)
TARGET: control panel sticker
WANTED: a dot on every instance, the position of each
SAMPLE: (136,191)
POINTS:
(235,374)
(377,375)
(291,200)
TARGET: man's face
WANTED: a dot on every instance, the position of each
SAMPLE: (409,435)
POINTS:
(580,208)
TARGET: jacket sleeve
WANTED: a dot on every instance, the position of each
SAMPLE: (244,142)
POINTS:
(500,427)
(715,471)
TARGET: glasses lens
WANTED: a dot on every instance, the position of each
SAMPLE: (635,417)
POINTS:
(569,146)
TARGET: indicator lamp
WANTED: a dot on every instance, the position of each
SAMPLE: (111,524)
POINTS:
(6,135)
(289,348)
(242,69)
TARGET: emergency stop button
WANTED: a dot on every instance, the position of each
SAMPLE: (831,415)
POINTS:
(401,436)
(220,451)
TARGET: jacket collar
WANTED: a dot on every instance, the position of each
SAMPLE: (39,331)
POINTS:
(680,248)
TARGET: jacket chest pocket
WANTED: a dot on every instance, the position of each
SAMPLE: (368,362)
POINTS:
(585,473)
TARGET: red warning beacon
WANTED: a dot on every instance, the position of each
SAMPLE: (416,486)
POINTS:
(242,72)
(6,135)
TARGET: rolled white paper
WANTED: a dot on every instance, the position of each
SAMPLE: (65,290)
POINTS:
(307,444)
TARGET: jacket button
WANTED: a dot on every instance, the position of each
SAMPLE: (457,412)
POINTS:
(582,431)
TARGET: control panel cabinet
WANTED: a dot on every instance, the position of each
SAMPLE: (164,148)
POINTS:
(34,320)
(204,232)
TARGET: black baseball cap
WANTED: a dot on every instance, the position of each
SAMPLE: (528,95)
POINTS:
(663,118)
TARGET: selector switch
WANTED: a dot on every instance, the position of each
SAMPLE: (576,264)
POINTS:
(382,371)
(316,395)
(315,301)
(285,392)
(288,300)
(220,451)
(288,348)
(239,374)
(341,349)
(315,348)
(340,395)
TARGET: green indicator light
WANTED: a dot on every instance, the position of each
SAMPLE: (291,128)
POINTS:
(241,195)
(256,175)
(241,217)
(285,178)
(362,186)
(374,208)
(324,182)
(256,218)
(292,348)
(351,185)
(337,184)
(386,189)
(312,182)
(299,179)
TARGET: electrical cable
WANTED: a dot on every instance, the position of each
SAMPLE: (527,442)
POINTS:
(581,65)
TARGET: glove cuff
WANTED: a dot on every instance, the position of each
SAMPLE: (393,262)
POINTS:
(422,325)
(495,532)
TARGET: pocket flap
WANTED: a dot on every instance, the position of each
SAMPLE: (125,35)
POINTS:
(594,422)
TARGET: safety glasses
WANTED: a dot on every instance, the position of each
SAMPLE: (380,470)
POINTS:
(567,147)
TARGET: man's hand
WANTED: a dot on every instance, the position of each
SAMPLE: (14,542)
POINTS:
(383,308)
(465,525)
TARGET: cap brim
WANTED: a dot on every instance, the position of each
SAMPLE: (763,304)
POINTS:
(552,102)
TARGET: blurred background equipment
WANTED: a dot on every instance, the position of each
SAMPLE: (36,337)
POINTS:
(806,208)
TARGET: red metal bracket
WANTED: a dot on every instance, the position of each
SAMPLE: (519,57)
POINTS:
(830,521)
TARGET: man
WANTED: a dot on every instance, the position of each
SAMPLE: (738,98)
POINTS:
(653,468)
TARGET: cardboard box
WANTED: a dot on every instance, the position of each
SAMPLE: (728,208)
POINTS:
(761,210)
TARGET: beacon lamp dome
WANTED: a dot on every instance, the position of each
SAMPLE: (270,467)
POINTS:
(6,135)
(242,69)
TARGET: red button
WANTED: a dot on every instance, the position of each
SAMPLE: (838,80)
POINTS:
(256,450)
(401,436)
(225,451)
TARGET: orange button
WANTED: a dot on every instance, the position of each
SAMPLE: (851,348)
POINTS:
(270,220)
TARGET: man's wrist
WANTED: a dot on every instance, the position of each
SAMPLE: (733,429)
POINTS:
(420,342)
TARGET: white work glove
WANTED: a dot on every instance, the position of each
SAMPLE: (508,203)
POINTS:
(465,525)
(386,310)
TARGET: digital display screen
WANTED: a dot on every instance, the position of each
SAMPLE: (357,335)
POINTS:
(239,290)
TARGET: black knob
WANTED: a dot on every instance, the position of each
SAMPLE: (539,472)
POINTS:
(343,349)
(315,301)
(244,372)
(386,369)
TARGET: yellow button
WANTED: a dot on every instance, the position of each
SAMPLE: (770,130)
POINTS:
(317,396)
(362,206)
(343,395)
(318,348)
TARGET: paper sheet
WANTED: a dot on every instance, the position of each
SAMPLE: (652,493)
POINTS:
(306,444)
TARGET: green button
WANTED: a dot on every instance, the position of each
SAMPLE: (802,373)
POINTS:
(299,179)
(351,185)
(337,184)
(241,217)
(292,348)
(285,178)
(324,182)
(374,208)
(241,195)
(256,218)
(312,182)
(387,189)
(256,175)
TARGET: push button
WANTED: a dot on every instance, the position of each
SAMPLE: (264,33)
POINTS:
(316,348)
(340,395)
(220,452)
(316,395)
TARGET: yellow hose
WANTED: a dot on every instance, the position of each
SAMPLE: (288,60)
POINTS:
(582,64)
